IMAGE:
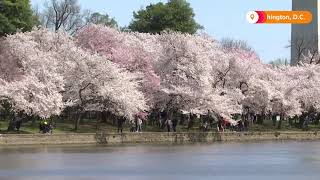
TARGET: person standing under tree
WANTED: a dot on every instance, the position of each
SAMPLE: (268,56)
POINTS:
(168,123)
(139,124)
(121,120)
(220,125)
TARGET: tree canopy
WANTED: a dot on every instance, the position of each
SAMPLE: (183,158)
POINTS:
(102,69)
(106,20)
(175,15)
(15,15)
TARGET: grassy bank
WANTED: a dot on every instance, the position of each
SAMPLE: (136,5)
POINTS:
(86,126)
(91,126)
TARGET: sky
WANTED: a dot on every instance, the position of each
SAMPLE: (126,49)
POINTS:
(220,18)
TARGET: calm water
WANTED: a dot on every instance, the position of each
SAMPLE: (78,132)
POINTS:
(248,161)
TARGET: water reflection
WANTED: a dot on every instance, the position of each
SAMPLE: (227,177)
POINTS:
(219,161)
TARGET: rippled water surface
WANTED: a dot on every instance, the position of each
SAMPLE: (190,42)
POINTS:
(247,161)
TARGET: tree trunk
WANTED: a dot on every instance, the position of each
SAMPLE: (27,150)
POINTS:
(190,123)
(290,122)
(11,125)
(114,121)
(280,122)
(97,123)
(77,122)
(159,120)
(316,121)
(301,120)
(260,119)
(104,117)
(274,120)
(33,123)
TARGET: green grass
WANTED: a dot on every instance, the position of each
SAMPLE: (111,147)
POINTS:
(86,126)
(91,126)
(267,126)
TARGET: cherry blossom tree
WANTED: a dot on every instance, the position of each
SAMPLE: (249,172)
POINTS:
(32,83)
(197,62)
(132,51)
(284,90)
(305,78)
(51,72)
(192,69)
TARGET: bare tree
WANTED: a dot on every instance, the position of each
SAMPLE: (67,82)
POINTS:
(234,44)
(305,51)
(63,14)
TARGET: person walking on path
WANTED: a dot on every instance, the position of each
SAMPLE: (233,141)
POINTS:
(220,126)
(139,124)
(169,124)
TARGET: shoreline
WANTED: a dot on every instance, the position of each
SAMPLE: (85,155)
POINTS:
(102,138)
